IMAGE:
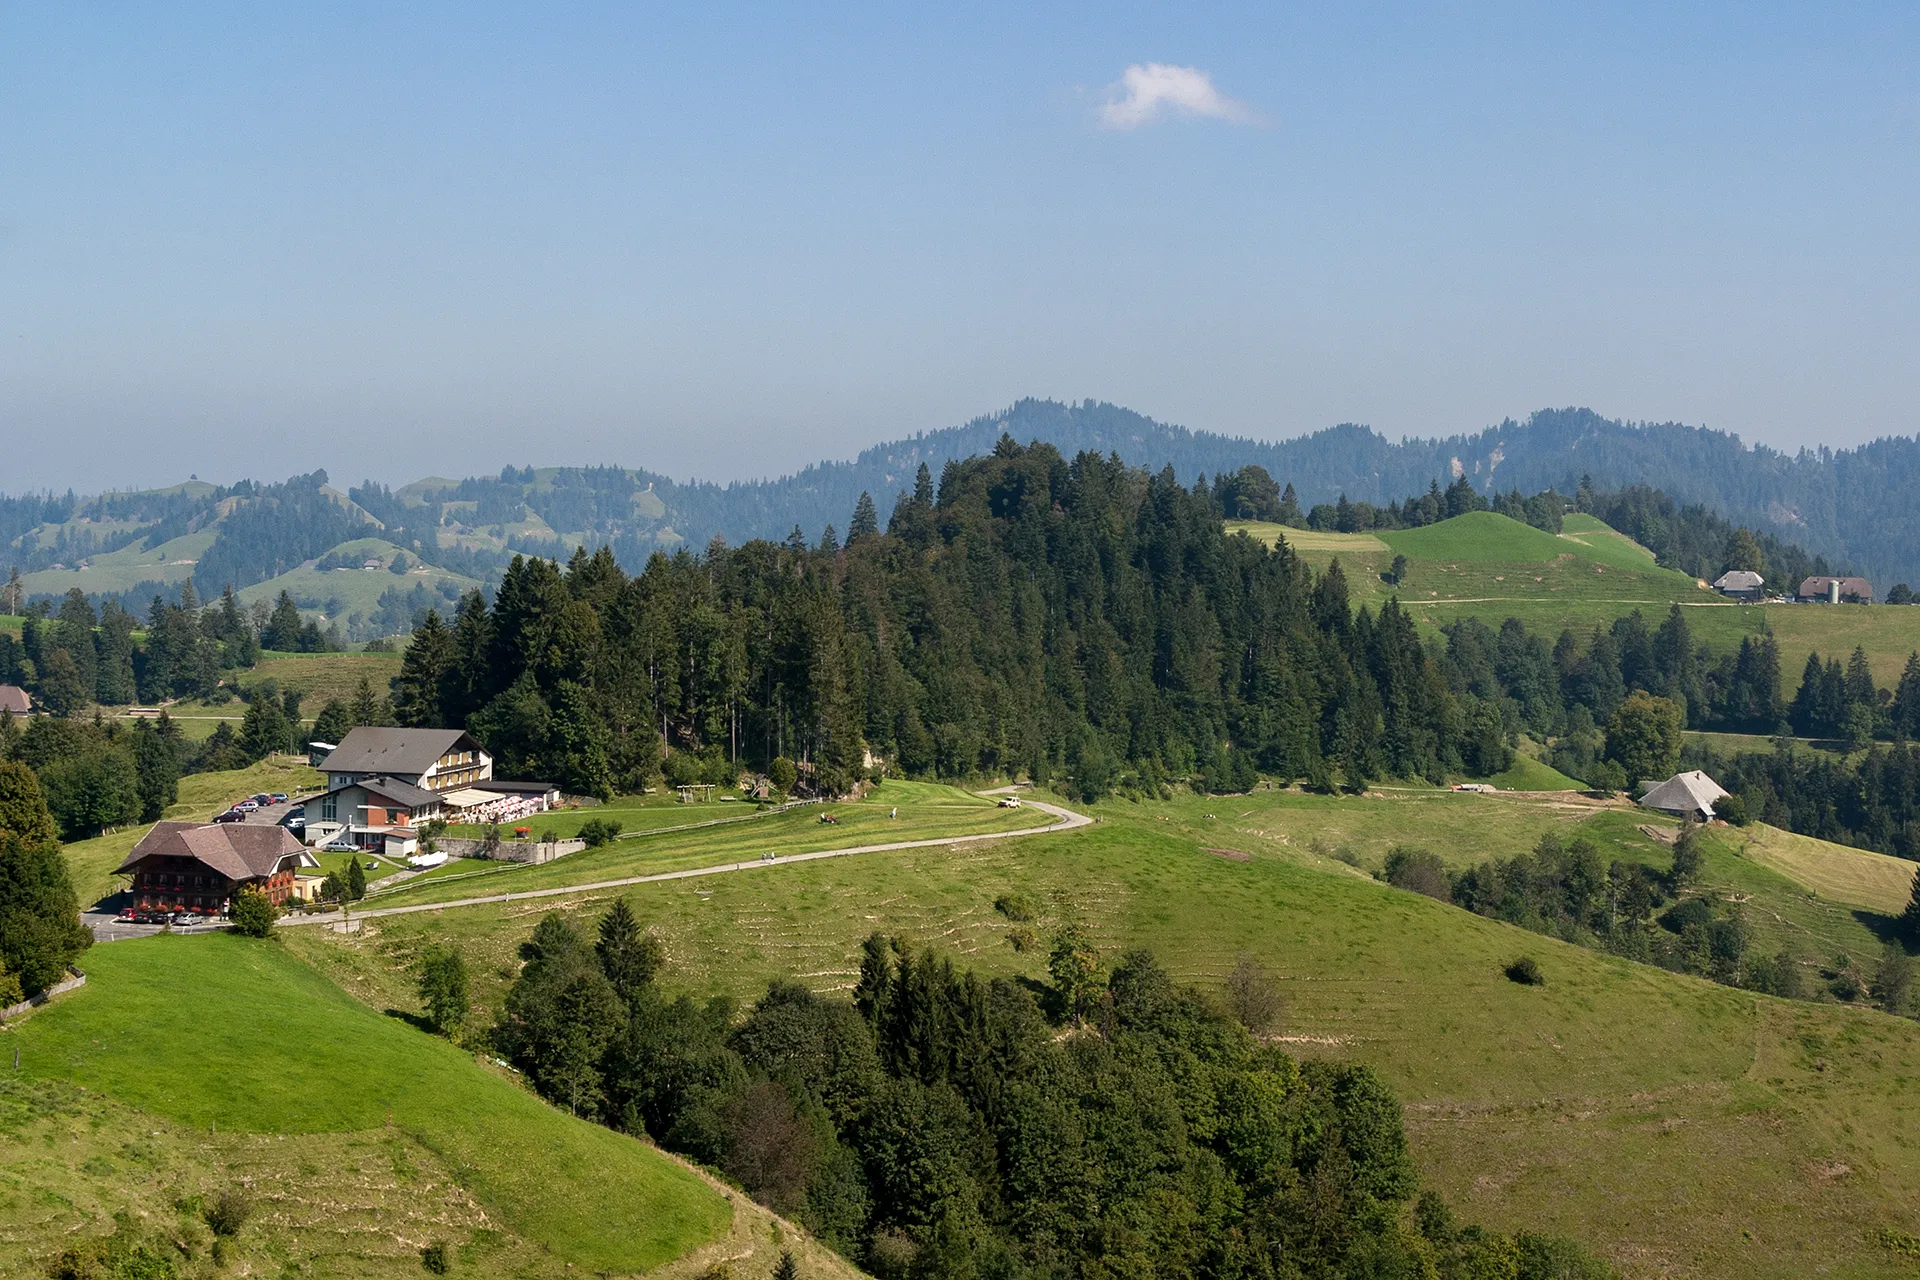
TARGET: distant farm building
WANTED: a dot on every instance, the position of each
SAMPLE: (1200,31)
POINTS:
(199,867)
(1741,584)
(1823,589)
(1685,795)
(15,700)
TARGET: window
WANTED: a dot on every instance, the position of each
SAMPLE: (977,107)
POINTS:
(329,810)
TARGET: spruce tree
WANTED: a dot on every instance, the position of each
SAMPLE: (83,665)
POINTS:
(356,880)
(418,688)
(628,957)
(1906,700)
(866,519)
(1910,918)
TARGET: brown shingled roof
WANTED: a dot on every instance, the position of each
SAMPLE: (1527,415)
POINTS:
(13,698)
(237,850)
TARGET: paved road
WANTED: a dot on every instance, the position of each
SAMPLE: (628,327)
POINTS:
(1065,820)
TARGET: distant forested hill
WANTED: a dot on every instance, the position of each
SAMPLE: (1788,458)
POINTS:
(1855,506)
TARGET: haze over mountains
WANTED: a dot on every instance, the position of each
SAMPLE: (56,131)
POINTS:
(1854,506)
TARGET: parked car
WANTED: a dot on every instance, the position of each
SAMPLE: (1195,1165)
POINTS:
(261,798)
(231,815)
(342,843)
(246,806)
(185,919)
(1009,802)
(278,797)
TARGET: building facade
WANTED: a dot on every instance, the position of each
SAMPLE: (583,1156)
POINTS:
(201,867)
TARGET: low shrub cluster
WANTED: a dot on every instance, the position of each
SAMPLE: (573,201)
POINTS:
(1564,889)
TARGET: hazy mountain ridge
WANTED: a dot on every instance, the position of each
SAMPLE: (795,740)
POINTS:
(1852,505)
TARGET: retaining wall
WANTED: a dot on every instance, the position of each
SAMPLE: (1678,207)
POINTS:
(40,998)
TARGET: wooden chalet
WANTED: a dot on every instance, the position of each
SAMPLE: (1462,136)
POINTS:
(199,867)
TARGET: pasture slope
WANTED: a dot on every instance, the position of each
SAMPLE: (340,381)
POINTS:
(188,1067)
(1681,1127)
(1492,567)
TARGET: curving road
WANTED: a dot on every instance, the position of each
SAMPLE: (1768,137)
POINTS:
(1065,820)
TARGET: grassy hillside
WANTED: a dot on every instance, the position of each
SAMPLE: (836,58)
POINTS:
(1851,876)
(317,677)
(338,593)
(194,1030)
(1489,566)
(115,571)
(1682,1127)
(925,811)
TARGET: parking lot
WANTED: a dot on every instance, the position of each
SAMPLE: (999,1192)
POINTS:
(104,920)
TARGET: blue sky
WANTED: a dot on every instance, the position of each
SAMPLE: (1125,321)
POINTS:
(400,240)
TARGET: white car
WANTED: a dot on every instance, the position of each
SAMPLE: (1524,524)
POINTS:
(1009,802)
(340,844)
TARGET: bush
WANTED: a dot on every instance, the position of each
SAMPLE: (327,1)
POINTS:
(442,979)
(1526,972)
(437,1258)
(1022,939)
(1421,871)
(1017,907)
(1687,855)
(254,913)
(782,774)
(599,831)
(1692,913)
(1731,810)
(1254,997)
(226,1215)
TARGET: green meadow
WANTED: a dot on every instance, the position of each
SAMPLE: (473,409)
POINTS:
(225,1034)
(1683,1128)
(925,811)
(355,589)
(1491,567)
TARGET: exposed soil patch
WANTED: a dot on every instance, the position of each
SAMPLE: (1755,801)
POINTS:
(1231,855)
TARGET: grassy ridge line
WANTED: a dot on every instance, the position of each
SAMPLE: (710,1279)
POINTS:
(196,1029)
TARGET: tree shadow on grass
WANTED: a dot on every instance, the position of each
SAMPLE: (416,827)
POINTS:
(413,1020)
(1884,928)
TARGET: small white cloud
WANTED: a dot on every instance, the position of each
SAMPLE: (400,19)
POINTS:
(1151,91)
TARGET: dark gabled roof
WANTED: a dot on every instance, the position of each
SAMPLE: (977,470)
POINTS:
(393,789)
(509,786)
(237,850)
(1817,585)
(13,698)
(368,749)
